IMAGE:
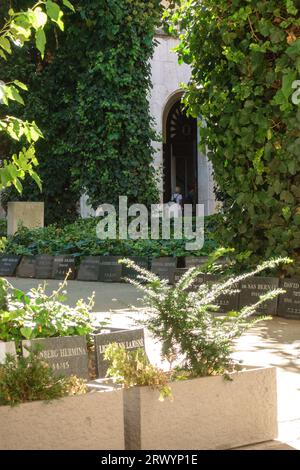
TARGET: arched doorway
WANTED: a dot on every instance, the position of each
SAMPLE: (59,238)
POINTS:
(180,153)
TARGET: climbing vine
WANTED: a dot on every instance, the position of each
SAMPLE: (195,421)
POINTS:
(90,97)
(245,60)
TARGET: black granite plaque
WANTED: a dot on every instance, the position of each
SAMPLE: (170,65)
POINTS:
(130,339)
(131,273)
(200,279)
(179,272)
(110,270)
(62,265)
(89,269)
(226,302)
(289,303)
(44,266)
(67,355)
(252,288)
(164,268)
(195,261)
(8,264)
(26,267)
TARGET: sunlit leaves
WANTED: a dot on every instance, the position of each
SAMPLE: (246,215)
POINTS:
(55,13)
(11,93)
(14,171)
(16,31)
(40,41)
(68,5)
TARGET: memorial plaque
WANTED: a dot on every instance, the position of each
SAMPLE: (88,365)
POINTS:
(8,264)
(62,265)
(131,273)
(226,302)
(44,266)
(89,269)
(26,267)
(195,261)
(179,272)
(130,339)
(252,288)
(200,279)
(164,268)
(67,355)
(289,303)
(110,270)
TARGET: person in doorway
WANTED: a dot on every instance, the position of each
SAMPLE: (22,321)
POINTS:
(177,197)
(191,197)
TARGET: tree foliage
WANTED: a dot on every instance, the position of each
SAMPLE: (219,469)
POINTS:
(90,97)
(16,29)
(245,60)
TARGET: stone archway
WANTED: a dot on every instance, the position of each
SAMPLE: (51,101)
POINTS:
(180,156)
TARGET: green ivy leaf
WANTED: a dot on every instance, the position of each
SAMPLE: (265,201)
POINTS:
(20,85)
(40,40)
(26,332)
(69,5)
(5,44)
(55,13)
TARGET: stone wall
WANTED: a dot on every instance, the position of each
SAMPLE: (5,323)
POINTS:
(167,79)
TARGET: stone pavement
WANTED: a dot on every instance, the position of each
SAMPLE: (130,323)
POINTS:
(275,342)
(107,296)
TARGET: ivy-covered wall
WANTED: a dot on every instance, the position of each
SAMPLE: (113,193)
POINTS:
(90,98)
(245,60)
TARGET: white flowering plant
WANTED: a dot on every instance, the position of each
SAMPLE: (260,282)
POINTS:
(185,318)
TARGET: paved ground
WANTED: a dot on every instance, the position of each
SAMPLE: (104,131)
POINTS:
(107,296)
(275,342)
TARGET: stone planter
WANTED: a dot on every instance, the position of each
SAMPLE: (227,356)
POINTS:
(207,413)
(86,422)
(6,347)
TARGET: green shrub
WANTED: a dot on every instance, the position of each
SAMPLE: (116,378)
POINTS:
(187,323)
(38,315)
(132,368)
(80,239)
(29,378)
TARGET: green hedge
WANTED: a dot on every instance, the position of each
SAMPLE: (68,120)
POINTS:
(79,239)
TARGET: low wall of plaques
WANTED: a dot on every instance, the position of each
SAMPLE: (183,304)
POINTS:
(108,269)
